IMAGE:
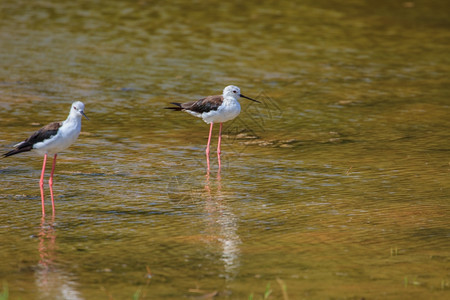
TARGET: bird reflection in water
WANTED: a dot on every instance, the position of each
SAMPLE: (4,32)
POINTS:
(52,283)
(222,227)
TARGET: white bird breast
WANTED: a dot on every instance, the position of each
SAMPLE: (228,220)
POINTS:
(67,134)
(229,110)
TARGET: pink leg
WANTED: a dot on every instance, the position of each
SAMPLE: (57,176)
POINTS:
(50,183)
(209,142)
(41,185)
(218,144)
(220,139)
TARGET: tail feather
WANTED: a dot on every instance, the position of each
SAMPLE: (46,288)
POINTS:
(176,108)
(18,150)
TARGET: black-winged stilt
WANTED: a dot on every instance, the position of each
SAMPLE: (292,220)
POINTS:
(215,109)
(51,139)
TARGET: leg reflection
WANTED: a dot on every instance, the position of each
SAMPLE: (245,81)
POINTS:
(46,248)
(51,281)
(222,227)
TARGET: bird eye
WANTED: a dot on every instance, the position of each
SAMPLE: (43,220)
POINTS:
(75,108)
(235,92)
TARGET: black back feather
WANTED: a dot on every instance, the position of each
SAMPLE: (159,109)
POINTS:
(42,134)
(206,104)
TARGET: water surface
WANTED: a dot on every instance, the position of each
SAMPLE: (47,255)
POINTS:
(336,186)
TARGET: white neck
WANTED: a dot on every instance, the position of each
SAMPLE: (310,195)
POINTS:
(230,98)
(73,117)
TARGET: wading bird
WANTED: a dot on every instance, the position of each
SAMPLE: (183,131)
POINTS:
(215,109)
(51,139)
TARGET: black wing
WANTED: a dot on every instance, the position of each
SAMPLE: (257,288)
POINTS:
(200,106)
(42,134)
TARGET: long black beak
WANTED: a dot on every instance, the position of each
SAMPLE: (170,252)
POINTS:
(248,98)
(82,112)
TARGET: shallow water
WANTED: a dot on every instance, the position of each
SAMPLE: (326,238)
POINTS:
(336,186)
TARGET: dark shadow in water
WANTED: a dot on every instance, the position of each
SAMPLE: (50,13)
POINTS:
(51,281)
(222,227)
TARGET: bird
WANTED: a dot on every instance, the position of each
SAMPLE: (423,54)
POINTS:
(214,109)
(50,140)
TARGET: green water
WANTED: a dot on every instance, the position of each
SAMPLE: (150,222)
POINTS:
(336,186)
